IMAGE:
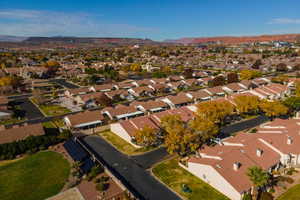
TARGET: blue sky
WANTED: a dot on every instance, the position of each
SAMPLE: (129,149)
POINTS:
(158,20)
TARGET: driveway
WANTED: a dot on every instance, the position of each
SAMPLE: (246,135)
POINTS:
(31,111)
(137,179)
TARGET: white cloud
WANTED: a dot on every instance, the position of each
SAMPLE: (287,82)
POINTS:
(284,21)
(50,23)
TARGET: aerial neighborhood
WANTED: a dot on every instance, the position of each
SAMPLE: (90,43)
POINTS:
(124,118)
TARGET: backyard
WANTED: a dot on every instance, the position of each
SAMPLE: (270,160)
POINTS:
(53,110)
(292,194)
(122,145)
(34,177)
(170,173)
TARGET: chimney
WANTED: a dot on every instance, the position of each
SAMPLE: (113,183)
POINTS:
(289,140)
(259,152)
(236,166)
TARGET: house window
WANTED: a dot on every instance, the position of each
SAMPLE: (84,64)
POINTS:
(204,176)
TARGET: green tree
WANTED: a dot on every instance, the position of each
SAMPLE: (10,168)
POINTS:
(258,176)
(293,103)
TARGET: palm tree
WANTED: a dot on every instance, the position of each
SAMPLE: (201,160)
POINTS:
(258,176)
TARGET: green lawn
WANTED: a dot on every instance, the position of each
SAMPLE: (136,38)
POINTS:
(291,194)
(35,177)
(174,176)
(121,144)
(54,110)
(49,124)
(11,121)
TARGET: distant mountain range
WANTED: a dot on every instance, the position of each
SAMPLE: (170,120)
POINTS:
(66,41)
(62,41)
(237,39)
(9,38)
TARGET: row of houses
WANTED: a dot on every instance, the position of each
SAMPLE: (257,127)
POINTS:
(138,108)
(224,166)
(145,88)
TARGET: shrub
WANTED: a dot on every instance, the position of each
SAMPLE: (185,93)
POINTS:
(247,196)
(94,172)
(272,190)
(289,180)
(30,145)
(291,171)
(104,178)
(97,180)
(254,130)
(102,186)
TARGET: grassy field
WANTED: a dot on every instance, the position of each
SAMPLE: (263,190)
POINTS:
(5,162)
(291,194)
(35,177)
(175,176)
(121,144)
(54,110)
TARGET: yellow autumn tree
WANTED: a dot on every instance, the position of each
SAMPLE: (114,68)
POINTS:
(204,127)
(249,74)
(135,67)
(247,104)
(273,108)
(146,136)
(215,111)
(179,138)
(7,80)
(297,88)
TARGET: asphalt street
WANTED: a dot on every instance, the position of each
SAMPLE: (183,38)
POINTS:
(64,83)
(137,179)
(146,160)
(244,125)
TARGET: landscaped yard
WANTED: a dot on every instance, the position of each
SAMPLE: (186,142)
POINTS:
(11,121)
(175,176)
(34,177)
(121,144)
(291,194)
(54,110)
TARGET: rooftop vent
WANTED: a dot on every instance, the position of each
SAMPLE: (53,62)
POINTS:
(289,140)
(236,166)
(259,152)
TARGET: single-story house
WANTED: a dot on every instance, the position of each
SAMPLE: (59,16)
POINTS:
(84,120)
(18,133)
(127,129)
(121,112)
